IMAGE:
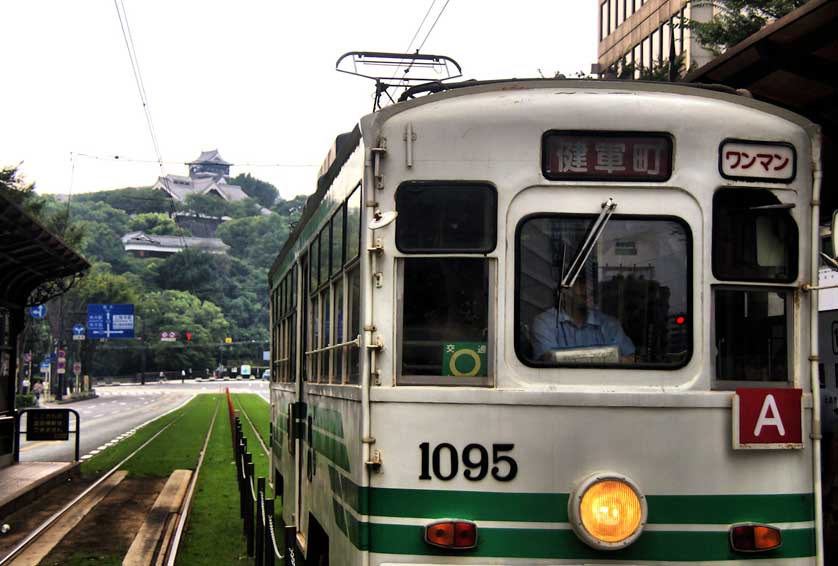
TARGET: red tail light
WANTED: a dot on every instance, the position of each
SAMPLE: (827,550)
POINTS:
(452,534)
(754,538)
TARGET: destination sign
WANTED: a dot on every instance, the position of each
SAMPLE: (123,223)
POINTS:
(757,161)
(606,156)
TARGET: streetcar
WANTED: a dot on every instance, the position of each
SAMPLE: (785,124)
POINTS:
(553,322)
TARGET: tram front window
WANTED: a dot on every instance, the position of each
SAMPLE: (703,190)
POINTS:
(629,306)
(445,312)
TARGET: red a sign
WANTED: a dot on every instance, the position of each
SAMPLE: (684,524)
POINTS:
(767,418)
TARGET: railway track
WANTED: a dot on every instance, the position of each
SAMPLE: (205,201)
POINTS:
(241,409)
(158,540)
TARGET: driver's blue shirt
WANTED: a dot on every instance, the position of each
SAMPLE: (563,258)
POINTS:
(550,332)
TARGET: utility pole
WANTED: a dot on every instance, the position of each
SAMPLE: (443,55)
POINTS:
(59,348)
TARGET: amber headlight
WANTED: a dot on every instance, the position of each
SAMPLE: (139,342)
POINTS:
(607,511)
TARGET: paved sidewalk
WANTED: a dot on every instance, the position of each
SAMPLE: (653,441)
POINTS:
(22,482)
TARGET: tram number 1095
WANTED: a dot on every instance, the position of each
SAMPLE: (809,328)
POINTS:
(475,461)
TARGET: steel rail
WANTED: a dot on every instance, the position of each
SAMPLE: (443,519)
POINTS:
(171,554)
(37,533)
(255,430)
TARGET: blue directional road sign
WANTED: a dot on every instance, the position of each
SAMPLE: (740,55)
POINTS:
(39,311)
(44,366)
(78,332)
(110,321)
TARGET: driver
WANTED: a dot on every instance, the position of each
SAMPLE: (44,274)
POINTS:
(578,325)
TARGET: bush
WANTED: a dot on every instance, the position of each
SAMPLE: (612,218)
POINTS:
(24,401)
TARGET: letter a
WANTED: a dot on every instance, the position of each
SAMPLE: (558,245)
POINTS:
(765,420)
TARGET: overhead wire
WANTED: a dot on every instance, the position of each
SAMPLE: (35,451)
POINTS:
(125,26)
(412,39)
(425,39)
(138,77)
(134,160)
(438,16)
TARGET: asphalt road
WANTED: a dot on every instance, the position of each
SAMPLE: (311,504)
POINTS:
(118,409)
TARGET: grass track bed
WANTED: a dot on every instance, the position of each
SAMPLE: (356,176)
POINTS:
(214,533)
(110,457)
(259,412)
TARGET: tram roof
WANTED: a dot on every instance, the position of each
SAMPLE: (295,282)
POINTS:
(340,151)
(370,124)
(437,92)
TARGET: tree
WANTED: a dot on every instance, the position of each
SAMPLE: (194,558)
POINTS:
(155,223)
(14,187)
(189,270)
(101,213)
(44,209)
(102,244)
(131,200)
(291,209)
(735,20)
(180,310)
(205,205)
(255,240)
(264,193)
(661,72)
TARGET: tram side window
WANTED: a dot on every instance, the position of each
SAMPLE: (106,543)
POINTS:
(629,307)
(754,237)
(752,327)
(353,226)
(446,217)
(333,299)
(353,280)
(445,336)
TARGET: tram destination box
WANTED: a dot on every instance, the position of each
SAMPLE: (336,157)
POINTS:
(48,424)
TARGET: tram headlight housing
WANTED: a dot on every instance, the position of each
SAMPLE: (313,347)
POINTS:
(607,511)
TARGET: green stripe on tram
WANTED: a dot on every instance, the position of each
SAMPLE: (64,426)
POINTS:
(723,509)
(552,507)
(563,544)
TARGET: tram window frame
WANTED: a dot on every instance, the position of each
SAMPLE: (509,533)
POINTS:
(490,228)
(728,272)
(689,313)
(720,383)
(353,202)
(314,263)
(327,367)
(338,242)
(486,381)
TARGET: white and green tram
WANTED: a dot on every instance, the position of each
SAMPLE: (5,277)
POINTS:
(553,322)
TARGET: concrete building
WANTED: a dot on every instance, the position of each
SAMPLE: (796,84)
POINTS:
(644,32)
(141,244)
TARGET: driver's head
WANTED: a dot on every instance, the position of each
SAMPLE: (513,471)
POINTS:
(576,297)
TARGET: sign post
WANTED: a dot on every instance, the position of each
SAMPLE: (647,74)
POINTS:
(60,371)
(46,424)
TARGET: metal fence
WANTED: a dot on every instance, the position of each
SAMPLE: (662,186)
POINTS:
(257,510)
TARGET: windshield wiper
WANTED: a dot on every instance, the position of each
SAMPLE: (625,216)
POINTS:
(591,238)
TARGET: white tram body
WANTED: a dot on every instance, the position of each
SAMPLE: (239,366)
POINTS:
(442,427)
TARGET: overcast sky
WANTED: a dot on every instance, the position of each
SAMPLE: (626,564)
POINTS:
(253,79)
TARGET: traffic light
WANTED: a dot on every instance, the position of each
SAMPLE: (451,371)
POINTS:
(186,336)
